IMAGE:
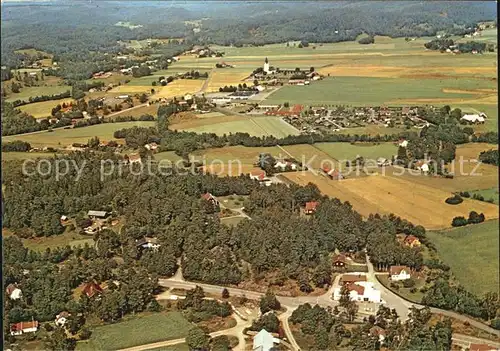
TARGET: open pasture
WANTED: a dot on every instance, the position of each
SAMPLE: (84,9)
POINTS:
(179,87)
(227,76)
(27,92)
(64,137)
(348,151)
(472,254)
(137,112)
(42,109)
(142,329)
(372,91)
(257,126)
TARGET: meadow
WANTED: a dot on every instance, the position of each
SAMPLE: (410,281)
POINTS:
(487,194)
(137,330)
(65,137)
(472,254)
(42,243)
(347,151)
(26,92)
(43,109)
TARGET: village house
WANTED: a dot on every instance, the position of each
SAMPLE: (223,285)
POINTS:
(151,146)
(339,261)
(332,173)
(378,332)
(422,166)
(92,289)
(360,291)
(13,292)
(62,318)
(134,158)
(23,327)
(397,273)
(411,241)
(97,214)
(310,207)
(210,198)
(264,341)
(403,143)
(148,243)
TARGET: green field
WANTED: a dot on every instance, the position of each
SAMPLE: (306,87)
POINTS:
(487,194)
(138,330)
(42,109)
(67,238)
(64,137)
(472,254)
(258,126)
(347,151)
(28,92)
(359,91)
(167,155)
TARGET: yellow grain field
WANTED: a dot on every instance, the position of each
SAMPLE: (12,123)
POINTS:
(42,109)
(418,203)
(222,77)
(178,88)
(131,89)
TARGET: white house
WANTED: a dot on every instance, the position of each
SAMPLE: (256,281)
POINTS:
(480,118)
(13,292)
(149,243)
(188,97)
(398,273)
(360,291)
(423,167)
(151,146)
(62,318)
(403,143)
(281,165)
(264,341)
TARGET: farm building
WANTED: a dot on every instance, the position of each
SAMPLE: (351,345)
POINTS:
(92,289)
(97,214)
(62,318)
(352,278)
(264,341)
(480,118)
(13,292)
(332,173)
(23,327)
(411,241)
(397,273)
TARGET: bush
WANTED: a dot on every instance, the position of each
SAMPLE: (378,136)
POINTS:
(394,286)
(495,323)
(454,200)
(413,290)
(459,221)
(408,283)
(475,218)
(464,194)
(367,40)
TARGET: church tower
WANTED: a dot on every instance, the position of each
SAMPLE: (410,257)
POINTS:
(266,66)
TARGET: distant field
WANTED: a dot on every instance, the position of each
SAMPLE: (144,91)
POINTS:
(484,177)
(257,126)
(178,87)
(138,330)
(418,203)
(27,92)
(42,109)
(42,243)
(472,254)
(227,76)
(137,112)
(347,151)
(64,137)
(167,155)
(370,91)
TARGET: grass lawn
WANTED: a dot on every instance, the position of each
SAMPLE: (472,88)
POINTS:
(167,155)
(42,109)
(42,243)
(231,221)
(376,90)
(178,347)
(472,254)
(487,194)
(347,151)
(28,92)
(64,137)
(141,329)
(405,292)
(232,201)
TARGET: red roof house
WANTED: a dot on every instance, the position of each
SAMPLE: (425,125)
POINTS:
(352,278)
(411,241)
(339,260)
(23,327)
(92,289)
(311,207)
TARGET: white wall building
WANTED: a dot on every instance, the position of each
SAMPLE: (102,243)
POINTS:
(360,291)
(398,273)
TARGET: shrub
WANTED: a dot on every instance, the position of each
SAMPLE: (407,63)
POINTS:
(459,221)
(367,40)
(408,283)
(490,200)
(413,290)
(475,218)
(454,200)
(495,323)
(395,286)
(464,194)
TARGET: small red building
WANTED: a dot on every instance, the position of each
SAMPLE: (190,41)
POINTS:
(311,207)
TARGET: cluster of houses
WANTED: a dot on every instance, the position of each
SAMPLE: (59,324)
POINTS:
(479,118)
(275,76)
(203,51)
